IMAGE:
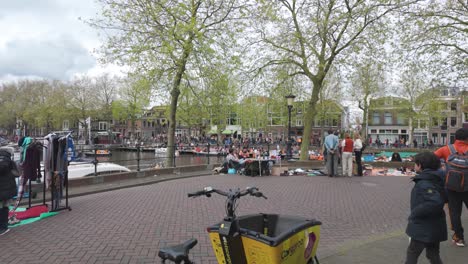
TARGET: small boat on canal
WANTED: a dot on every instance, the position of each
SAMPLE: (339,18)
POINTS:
(98,153)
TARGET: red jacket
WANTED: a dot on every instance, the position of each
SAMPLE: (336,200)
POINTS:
(348,145)
(444,152)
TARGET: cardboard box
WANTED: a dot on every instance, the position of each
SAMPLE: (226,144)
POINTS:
(276,171)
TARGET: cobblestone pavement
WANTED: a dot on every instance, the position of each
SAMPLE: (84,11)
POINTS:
(130,225)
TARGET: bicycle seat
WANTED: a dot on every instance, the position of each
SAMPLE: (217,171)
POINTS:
(177,253)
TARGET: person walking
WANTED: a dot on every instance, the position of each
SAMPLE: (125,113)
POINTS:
(8,172)
(426,224)
(358,152)
(331,146)
(456,199)
(347,146)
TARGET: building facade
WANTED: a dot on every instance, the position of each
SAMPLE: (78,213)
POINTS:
(388,120)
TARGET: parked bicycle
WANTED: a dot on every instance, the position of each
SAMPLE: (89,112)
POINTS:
(255,238)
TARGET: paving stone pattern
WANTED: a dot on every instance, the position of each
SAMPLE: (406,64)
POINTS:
(130,225)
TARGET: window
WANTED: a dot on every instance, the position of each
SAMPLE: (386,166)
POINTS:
(403,131)
(65,125)
(443,138)
(445,92)
(453,106)
(299,122)
(435,122)
(375,118)
(453,121)
(102,125)
(335,122)
(373,131)
(381,131)
(395,131)
(388,118)
(400,120)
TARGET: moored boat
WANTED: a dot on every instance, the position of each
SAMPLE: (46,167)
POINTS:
(98,153)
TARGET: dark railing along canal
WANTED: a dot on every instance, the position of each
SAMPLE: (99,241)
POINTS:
(141,158)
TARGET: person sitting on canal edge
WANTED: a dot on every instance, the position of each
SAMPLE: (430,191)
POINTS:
(233,161)
(427,226)
(396,157)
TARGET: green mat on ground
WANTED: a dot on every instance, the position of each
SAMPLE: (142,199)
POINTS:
(403,154)
(32,220)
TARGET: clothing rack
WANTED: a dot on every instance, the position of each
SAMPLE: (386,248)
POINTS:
(54,190)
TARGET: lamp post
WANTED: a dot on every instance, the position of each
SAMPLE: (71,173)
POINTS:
(290,100)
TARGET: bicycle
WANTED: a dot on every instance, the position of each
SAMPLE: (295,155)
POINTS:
(256,238)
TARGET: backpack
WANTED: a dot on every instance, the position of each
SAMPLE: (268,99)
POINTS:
(5,161)
(456,170)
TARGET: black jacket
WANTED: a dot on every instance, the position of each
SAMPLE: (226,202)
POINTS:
(8,182)
(427,220)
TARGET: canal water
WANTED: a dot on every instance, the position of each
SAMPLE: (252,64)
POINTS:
(154,160)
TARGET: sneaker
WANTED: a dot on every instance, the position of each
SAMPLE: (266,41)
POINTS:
(4,231)
(458,242)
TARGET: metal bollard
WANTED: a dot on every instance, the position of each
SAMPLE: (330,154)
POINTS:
(208,154)
(138,157)
(95,161)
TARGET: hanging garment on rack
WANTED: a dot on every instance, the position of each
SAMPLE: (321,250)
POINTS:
(61,167)
(24,146)
(62,160)
(32,162)
(48,158)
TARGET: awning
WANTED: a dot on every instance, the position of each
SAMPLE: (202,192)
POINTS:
(227,132)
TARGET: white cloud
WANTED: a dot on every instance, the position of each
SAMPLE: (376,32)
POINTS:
(46,38)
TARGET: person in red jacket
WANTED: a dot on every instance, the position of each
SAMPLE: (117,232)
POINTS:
(347,146)
(456,199)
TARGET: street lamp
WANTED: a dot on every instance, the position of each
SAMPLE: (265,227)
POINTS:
(290,99)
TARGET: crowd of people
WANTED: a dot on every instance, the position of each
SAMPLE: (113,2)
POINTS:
(436,184)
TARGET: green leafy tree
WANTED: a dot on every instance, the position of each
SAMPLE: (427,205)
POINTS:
(310,35)
(437,31)
(82,100)
(133,101)
(159,38)
(10,97)
(48,105)
(367,84)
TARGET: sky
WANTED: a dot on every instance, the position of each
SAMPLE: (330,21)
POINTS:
(46,39)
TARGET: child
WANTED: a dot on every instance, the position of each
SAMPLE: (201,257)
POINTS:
(426,223)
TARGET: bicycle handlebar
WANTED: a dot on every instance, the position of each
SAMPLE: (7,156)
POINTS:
(235,194)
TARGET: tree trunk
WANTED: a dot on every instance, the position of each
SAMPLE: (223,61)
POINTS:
(309,119)
(364,123)
(410,130)
(175,92)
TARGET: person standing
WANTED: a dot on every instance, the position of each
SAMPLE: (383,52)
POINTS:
(456,199)
(331,146)
(347,146)
(358,152)
(426,224)
(8,172)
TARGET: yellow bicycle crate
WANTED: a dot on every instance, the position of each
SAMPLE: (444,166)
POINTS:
(272,239)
